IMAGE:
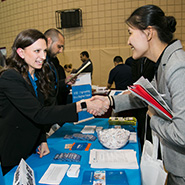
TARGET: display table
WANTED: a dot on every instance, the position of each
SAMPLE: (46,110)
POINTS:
(56,144)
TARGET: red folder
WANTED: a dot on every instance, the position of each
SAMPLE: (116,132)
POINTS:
(142,93)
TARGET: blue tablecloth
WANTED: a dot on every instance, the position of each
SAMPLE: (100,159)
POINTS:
(56,144)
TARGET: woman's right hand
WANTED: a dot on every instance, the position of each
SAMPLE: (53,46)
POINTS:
(98,105)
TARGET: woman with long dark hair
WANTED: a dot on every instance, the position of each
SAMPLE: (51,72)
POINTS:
(24,87)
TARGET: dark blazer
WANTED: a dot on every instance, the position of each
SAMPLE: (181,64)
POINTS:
(62,89)
(22,118)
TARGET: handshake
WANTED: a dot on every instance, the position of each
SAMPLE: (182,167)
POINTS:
(98,105)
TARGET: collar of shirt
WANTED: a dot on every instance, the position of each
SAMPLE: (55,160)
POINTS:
(33,82)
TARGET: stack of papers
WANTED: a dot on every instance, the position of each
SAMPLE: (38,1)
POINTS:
(54,174)
(144,90)
(133,137)
(88,129)
(115,159)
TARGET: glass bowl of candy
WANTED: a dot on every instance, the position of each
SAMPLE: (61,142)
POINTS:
(113,138)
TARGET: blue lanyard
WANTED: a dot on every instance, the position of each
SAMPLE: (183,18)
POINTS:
(53,69)
(33,82)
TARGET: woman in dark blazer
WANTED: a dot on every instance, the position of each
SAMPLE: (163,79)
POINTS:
(24,87)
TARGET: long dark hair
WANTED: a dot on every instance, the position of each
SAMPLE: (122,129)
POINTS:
(151,15)
(23,40)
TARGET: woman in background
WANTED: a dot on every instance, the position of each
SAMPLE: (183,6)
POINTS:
(24,87)
(151,36)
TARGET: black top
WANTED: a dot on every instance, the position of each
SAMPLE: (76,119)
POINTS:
(59,68)
(121,75)
(143,67)
(23,117)
(61,89)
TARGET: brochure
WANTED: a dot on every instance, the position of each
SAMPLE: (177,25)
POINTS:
(24,174)
(80,146)
(102,177)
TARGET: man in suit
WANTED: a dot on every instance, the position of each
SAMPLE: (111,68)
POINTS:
(55,46)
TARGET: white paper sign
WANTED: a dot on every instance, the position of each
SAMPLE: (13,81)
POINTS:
(82,90)
(24,174)
(83,78)
(115,159)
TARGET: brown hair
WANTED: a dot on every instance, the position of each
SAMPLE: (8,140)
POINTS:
(23,40)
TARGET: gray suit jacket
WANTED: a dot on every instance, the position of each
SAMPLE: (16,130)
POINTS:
(170,82)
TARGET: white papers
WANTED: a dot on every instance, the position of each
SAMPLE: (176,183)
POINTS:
(74,170)
(83,79)
(24,174)
(115,159)
(133,137)
(100,90)
(54,174)
(88,129)
(149,87)
(117,92)
(76,74)
(144,90)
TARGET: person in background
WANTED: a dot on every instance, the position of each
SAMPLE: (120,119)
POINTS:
(55,46)
(120,74)
(84,56)
(151,36)
(61,88)
(24,86)
(146,68)
(129,61)
(142,67)
(2,60)
(68,68)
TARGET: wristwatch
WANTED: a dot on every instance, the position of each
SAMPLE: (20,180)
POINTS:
(83,105)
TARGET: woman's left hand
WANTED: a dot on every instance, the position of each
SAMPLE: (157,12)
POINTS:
(43,149)
(151,111)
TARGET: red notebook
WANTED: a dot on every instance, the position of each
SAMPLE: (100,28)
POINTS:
(142,93)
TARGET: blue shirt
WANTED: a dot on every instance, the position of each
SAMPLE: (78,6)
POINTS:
(33,82)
